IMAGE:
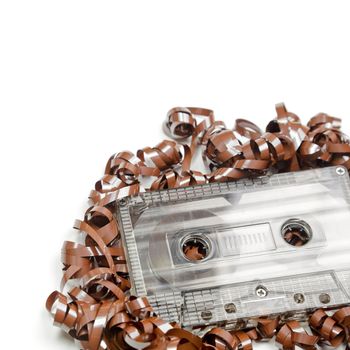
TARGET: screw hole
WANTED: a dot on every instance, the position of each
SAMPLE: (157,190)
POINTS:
(206,315)
(325,298)
(261,291)
(230,308)
(299,298)
(340,171)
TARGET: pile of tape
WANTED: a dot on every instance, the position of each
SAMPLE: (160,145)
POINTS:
(95,305)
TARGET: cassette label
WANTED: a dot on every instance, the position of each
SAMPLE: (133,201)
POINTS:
(223,253)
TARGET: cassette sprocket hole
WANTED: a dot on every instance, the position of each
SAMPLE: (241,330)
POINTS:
(195,248)
(296,232)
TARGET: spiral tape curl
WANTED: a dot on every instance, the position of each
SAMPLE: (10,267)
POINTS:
(95,306)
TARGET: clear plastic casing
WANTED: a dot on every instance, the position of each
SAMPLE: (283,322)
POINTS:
(272,245)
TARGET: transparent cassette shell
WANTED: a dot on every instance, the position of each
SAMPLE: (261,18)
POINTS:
(272,245)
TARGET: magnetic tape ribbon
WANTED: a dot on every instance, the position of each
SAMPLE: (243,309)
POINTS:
(95,306)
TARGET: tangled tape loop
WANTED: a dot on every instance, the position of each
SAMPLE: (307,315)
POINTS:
(327,328)
(95,306)
(292,335)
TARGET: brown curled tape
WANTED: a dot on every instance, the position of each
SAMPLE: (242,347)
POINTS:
(327,328)
(95,306)
(291,336)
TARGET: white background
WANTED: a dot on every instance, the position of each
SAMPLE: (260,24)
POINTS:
(80,80)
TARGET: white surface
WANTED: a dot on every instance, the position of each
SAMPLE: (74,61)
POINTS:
(80,80)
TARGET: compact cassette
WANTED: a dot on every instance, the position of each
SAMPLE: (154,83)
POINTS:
(225,253)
